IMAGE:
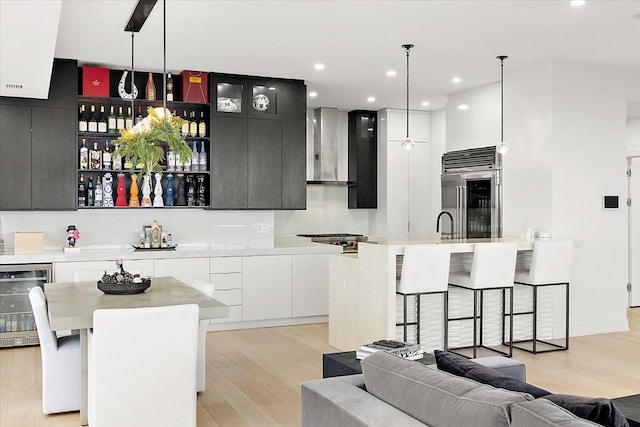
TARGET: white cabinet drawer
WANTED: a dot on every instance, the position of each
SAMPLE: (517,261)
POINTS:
(225,265)
(235,315)
(229,296)
(226,281)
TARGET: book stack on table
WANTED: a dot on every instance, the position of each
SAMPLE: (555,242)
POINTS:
(399,348)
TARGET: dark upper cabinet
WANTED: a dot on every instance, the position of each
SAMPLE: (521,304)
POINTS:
(15,157)
(258,143)
(363,159)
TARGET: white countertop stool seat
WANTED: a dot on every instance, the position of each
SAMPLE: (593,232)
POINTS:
(425,270)
(492,268)
(142,367)
(550,266)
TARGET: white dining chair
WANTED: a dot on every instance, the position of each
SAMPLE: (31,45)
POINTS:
(61,367)
(142,367)
(206,288)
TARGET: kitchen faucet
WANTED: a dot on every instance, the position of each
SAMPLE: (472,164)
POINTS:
(438,222)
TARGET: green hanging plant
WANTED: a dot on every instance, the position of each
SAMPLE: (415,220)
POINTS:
(142,145)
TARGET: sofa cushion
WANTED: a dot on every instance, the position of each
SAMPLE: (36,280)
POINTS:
(543,413)
(599,410)
(437,398)
(463,367)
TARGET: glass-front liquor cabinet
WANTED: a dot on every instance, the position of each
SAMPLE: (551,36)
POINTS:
(17,324)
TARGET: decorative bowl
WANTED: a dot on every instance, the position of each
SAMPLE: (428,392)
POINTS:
(124,288)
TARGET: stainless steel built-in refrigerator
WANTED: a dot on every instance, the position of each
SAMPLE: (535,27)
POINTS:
(472,193)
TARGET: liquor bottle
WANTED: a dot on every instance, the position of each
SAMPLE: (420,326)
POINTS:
(171,160)
(95,157)
(202,125)
(201,201)
(202,158)
(139,116)
(184,130)
(82,120)
(111,121)
(169,88)
(106,155)
(98,194)
(92,123)
(116,161)
(102,121)
(90,192)
(193,125)
(82,192)
(84,155)
(120,119)
(195,159)
(151,88)
(128,120)
(178,162)
(191,192)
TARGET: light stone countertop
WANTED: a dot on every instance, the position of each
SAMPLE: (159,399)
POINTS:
(457,245)
(282,246)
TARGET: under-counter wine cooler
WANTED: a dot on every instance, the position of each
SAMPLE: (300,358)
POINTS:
(17,325)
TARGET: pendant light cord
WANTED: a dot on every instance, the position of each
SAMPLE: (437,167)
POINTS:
(502,58)
(133,71)
(164,64)
(407,48)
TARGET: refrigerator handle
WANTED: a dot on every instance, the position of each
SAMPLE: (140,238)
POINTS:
(458,228)
(463,212)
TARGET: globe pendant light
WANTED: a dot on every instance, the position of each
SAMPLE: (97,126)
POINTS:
(502,147)
(407,143)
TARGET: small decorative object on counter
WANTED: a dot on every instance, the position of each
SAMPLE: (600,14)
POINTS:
(168,201)
(121,199)
(155,234)
(122,282)
(146,191)
(157,192)
(133,191)
(164,239)
(73,235)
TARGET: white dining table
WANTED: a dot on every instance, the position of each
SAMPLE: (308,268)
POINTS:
(71,306)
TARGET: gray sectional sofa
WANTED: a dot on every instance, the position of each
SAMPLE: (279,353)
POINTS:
(396,392)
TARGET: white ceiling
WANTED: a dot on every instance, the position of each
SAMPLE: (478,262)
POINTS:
(358,41)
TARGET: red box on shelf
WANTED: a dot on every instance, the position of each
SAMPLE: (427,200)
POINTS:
(195,86)
(95,82)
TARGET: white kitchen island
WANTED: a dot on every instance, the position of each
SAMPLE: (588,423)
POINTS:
(362,301)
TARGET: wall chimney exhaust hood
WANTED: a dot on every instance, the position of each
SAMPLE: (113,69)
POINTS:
(330,158)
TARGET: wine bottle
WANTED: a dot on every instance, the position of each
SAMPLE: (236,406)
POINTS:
(202,125)
(106,155)
(139,117)
(195,160)
(169,88)
(202,158)
(98,194)
(95,157)
(116,161)
(171,160)
(151,88)
(82,192)
(111,121)
(92,123)
(84,155)
(184,130)
(102,121)
(193,125)
(82,120)
(120,119)
(90,192)
(128,120)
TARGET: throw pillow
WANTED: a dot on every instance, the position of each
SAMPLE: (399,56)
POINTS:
(463,367)
(599,410)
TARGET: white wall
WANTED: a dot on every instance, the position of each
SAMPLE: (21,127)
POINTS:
(438,148)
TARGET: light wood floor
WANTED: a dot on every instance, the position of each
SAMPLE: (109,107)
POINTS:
(254,375)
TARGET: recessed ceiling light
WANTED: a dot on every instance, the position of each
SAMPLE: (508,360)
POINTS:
(391,73)
(456,80)
(319,66)
(463,107)
(577,3)
(313,94)
(371,99)
(425,104)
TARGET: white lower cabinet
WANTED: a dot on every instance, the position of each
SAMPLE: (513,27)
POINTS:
(79,271)
(310,285)
(226,276)
(184,269)
(266,287)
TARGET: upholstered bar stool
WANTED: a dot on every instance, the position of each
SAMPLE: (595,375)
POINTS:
(492,268)
(425,270)
(550,266)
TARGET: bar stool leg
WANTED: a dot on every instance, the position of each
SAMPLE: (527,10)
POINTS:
(510,322)
(445,297)
(535,318)
(566,328)
(481,317)
(417,319)
(404,311)
(475,320)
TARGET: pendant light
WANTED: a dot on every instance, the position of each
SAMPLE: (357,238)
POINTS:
(502,147)
(407,143)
